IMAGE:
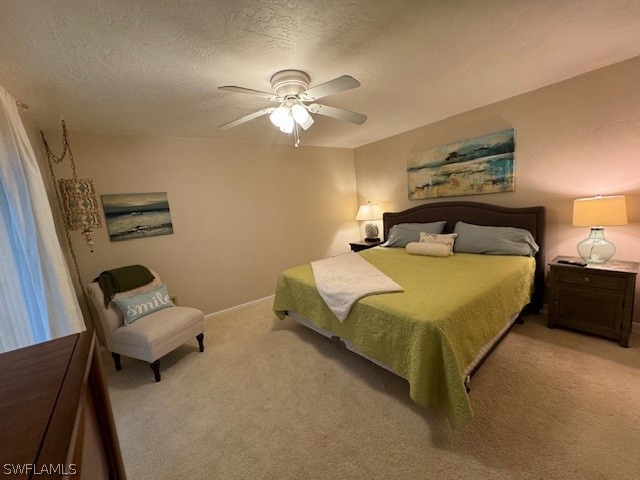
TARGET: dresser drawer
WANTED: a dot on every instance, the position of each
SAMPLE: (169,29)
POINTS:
(589,278)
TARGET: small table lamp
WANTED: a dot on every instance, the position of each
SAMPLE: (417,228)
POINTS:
(370,212)
(597,213)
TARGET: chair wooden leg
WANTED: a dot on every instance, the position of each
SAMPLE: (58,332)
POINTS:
(116,359)
(200,339)
(155,366)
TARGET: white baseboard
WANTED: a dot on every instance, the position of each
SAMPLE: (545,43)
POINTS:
(209,316)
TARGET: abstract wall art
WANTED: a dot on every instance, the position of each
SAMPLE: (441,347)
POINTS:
(469,167)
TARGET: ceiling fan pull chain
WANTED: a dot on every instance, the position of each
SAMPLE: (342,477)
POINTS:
(296,134)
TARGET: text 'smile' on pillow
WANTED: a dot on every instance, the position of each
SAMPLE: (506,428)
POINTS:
(494,240)
(403,233)
(143,304)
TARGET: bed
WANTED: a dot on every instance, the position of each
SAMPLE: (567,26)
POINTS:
(451,313)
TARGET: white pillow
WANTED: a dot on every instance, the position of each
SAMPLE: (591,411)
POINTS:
(446,239)
(430,249)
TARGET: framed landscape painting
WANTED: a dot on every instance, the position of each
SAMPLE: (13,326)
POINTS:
(469,167)
(137,215)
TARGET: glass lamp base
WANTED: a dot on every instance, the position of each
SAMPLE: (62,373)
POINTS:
(596,248)
(371,230)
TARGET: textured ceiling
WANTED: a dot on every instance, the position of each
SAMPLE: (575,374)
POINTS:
(153,66)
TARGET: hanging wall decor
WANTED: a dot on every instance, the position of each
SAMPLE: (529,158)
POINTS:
(137,215)
(469,167)
(76,196)
(80,206)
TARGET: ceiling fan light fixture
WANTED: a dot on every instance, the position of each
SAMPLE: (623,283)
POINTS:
(300,114)
(291,90)
(308,123)
(287,124)
(278,115)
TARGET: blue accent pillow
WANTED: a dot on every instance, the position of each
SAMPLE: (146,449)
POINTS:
(143,304)
(404,233)
(494,240)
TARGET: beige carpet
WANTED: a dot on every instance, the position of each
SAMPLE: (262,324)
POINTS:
(270,399)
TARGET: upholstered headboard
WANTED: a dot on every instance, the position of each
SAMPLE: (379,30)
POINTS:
(528,218)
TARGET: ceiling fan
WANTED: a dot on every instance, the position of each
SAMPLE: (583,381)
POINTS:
(291,90)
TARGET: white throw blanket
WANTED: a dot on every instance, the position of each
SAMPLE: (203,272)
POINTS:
(343,280)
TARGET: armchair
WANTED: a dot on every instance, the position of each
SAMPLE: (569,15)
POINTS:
(151,336)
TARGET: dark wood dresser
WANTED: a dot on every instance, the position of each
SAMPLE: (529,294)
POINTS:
(55,413)
(597,299)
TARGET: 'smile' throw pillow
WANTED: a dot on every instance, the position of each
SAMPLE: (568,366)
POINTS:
(143,304)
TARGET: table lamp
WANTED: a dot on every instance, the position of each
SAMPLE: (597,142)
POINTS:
(597,213)
(369,213)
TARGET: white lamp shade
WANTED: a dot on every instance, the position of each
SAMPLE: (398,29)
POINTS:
(308,123)
(287,124)
(300,114)
(278,115)
(369,212)
(600,211)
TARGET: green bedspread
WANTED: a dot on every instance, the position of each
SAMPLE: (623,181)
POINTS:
(451,309)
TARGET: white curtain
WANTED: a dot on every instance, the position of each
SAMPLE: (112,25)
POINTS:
(37,299)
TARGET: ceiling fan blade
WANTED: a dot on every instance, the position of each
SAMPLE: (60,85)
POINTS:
(339,113)
(345,82)
(246,118)
(267,95)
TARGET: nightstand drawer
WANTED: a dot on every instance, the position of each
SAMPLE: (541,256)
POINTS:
(591,279)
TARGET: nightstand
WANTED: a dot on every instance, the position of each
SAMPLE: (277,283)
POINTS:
(363,245)
(597,299)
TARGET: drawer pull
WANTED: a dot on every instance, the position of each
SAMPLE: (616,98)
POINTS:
(587,279)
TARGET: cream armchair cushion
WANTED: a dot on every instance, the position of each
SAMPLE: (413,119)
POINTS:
(150,337)
(153,336)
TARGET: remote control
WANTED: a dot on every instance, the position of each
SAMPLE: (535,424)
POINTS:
(576,263)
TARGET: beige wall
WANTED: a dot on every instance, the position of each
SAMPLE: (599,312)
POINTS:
(241,212)
(574,139)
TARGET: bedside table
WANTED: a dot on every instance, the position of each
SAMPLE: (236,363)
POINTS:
(363,245)
(596,299)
